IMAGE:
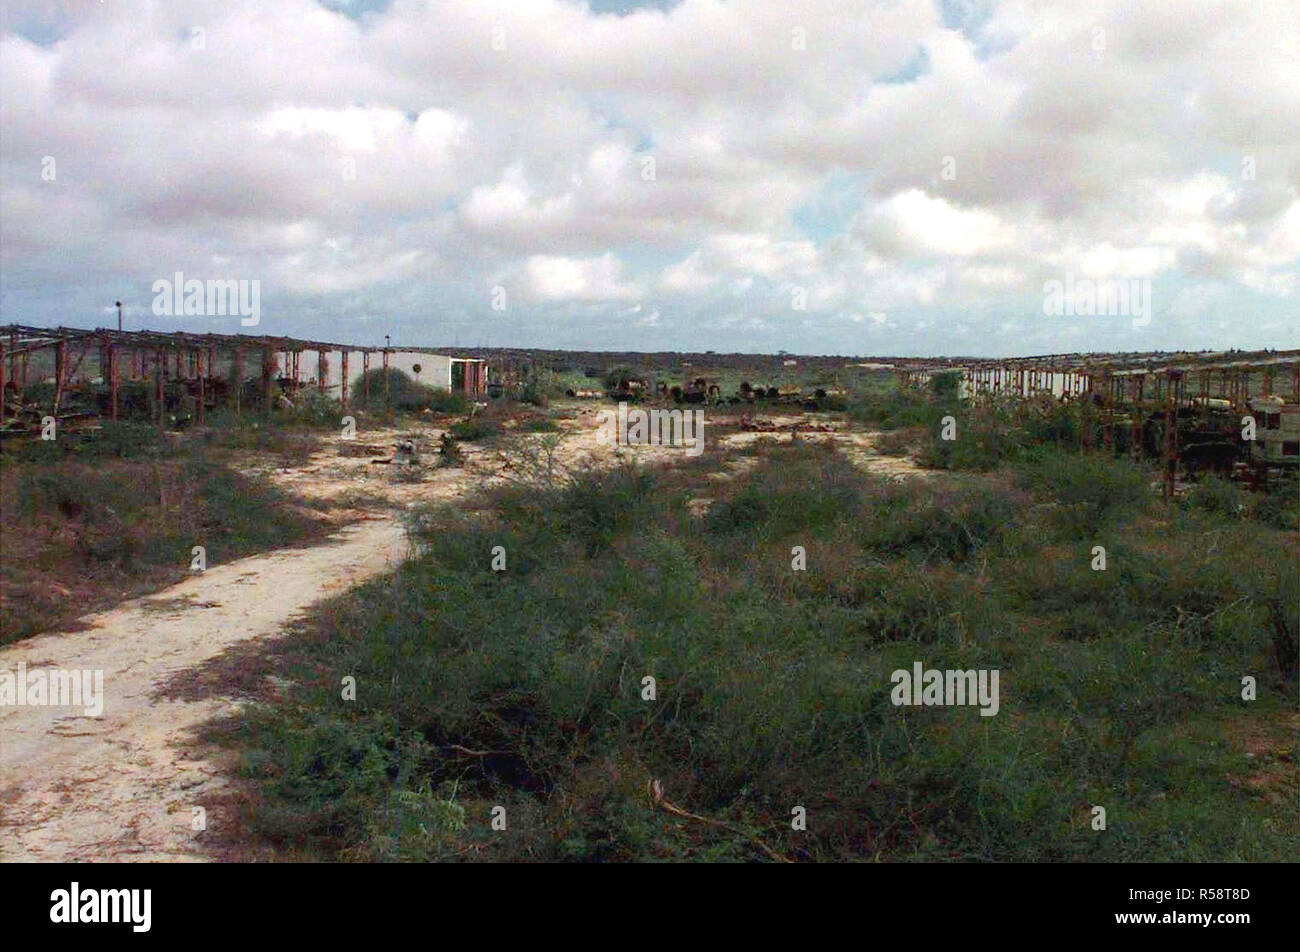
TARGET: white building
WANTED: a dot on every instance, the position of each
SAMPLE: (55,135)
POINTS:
(460,374)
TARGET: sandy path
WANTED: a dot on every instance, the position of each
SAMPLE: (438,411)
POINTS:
(123,785)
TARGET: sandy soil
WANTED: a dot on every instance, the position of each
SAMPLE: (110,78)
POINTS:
(124,785)
(857,445)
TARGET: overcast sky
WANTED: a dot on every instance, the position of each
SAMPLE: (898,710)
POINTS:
(661,175)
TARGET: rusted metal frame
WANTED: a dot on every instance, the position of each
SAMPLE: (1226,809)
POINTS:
(268,373)
(160,383)
(388,387)
(60,370)
(114,387)
(237,373)
(1171,432)
(343,386)
(1108,412)
(1135,425)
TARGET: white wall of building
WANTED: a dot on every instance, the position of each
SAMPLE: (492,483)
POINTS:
(434,370)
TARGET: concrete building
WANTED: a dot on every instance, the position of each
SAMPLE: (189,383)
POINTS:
(460,374)
(1277,431)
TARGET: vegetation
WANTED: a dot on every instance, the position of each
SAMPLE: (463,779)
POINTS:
(475,428)
(405,393)
(117,514)
(523,688)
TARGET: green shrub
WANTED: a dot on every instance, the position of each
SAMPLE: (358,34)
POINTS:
(524,687)
(477,428)
(406,393)
(952,523)
(1217,495)
(1090,490)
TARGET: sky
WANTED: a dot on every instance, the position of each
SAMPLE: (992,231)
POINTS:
(905,177)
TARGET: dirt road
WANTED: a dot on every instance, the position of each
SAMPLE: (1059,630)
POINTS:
(124,785)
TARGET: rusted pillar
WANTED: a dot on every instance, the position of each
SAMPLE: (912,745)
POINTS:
(1108,413)
(268,373)
(2,384)
(1171,433)
(365,377)
(1085,418)
(237,377)
(343,385)
(388,387)
(160,384)
(1135,428)
(198,365)
(322,368)
(113,382)
(60,371)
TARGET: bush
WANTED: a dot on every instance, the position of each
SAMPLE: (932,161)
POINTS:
(983,438)
(1217,495)
(115,526)
(476,428)
(538,387)
(122,439)
(946,386)
(790,490)
(1279,506)
(449,451)
(539,426)
(406,392)
(948,522)
(1091,490)
(898,408)
(524,687)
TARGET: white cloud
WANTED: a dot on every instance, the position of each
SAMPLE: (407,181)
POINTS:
(472,162)
(552,278)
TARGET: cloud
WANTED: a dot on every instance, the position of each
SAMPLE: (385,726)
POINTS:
(932,161)
(552,278)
